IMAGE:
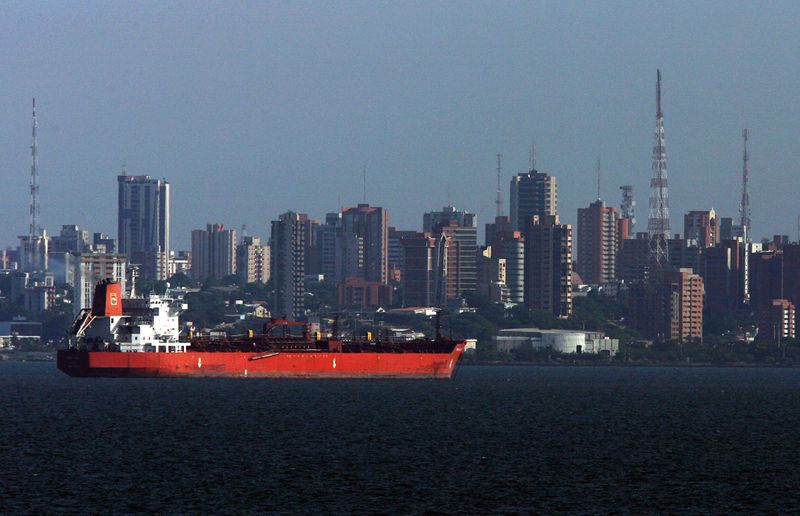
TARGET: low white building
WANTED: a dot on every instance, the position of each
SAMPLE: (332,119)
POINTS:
(560,341)
(19,332)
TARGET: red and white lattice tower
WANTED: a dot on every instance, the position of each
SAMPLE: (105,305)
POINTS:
(658,219)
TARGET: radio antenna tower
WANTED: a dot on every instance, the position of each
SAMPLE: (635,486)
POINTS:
(33,230)
(745,208)
(499,201)
(658,220)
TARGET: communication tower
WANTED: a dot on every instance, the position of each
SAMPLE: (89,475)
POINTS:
(658,219)
(744,211)
(34,230)
(499,200)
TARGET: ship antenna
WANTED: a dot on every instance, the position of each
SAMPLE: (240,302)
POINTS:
(438,325)
(335,328)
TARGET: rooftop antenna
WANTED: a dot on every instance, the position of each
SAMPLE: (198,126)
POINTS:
(124,169)
(499,201)
(365,184)
(598,178)
(532,157)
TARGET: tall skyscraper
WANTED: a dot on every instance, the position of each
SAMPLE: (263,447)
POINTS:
(365,234)
(460,230)
(328,242)
(532,193)
(510,246)
(418,277)
(143,223)
(658,221)
(548,265)
(287,266)
(721,268)
(213,252)
(597,243)
(670,306)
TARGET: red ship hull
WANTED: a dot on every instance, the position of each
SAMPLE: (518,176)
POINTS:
(295,364)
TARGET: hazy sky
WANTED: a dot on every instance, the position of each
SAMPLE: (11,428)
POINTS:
(253,109)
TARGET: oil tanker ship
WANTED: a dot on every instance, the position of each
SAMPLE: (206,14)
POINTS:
(140,337)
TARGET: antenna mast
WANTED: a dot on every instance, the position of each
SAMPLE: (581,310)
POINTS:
(745,208)
(598,179)
(532,157)
(499,201)
(365,184)
(34,230)
(658,220)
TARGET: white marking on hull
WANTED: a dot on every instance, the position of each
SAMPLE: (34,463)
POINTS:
(334,363)
(199,362)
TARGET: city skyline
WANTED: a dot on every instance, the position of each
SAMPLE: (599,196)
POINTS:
(223,141)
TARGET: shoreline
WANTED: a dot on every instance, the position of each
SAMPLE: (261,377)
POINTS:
(727,365)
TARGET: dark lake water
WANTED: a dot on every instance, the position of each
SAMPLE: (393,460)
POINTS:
(510,439)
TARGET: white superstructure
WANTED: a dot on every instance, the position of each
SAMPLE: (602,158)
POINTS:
(146,325)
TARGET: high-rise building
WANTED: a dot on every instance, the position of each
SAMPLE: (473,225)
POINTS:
(143,217)
(103,243)
(492,277)
(510,246)
(328,241)
(287,265)
(91,269)
(365,243)
(418,277)
(776,321)
(461,238)
(775,275)
(71,239)
(532,193)
(597,243)
(700,228)
(252,260)
(311,245)
(213,252)
(683,254)
(396,253)
(669,307)
(633,258)
(33,252)
(501,224)
(721,268)
(548,265)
